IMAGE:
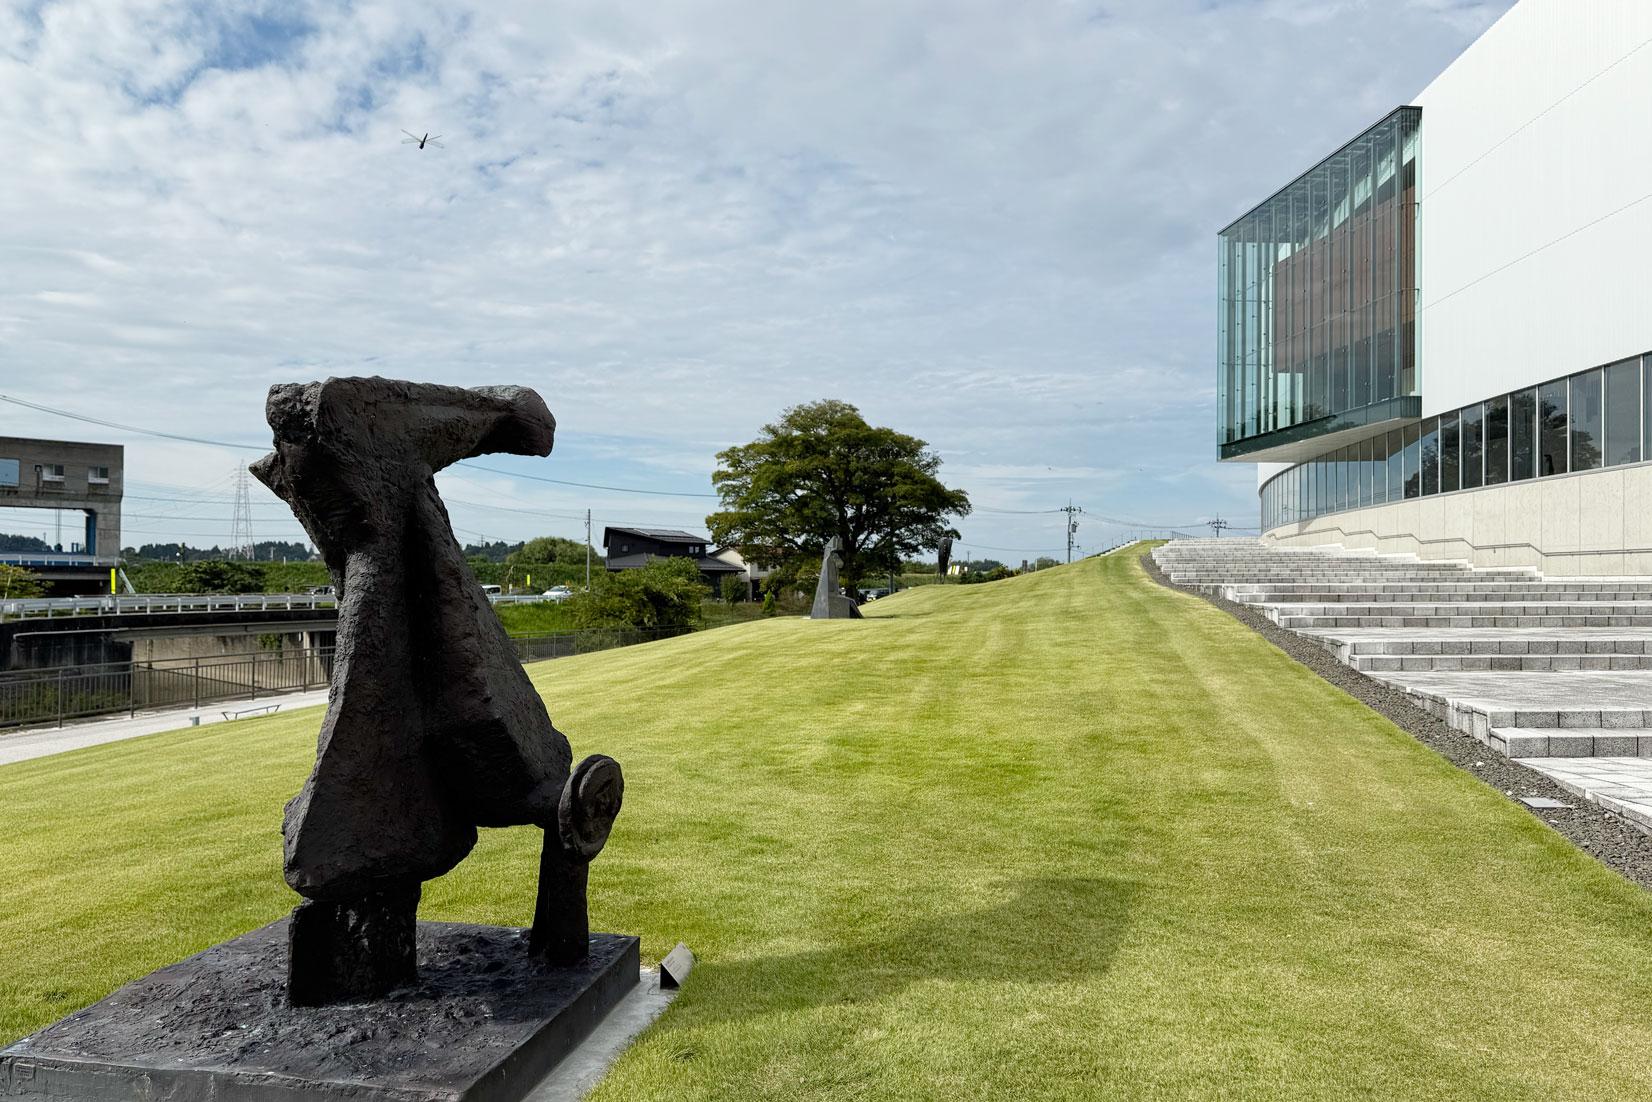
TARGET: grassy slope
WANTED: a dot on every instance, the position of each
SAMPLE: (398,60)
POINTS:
(1069,835)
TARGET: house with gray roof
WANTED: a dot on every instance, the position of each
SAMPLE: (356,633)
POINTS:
(632,548)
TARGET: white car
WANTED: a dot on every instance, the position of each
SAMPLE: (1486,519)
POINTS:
(558,593)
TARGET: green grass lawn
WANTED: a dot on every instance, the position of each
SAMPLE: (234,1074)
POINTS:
(1070,835)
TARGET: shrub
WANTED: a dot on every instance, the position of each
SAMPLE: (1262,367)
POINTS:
(18,582)
(736,588)
(216,576)
(666,593)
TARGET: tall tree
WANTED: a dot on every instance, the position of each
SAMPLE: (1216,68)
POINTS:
(822,471)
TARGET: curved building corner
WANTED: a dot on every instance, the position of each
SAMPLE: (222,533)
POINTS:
(1438,341)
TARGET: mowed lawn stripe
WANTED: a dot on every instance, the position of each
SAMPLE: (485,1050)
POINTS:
(1070,835)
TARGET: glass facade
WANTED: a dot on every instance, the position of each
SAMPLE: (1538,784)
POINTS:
(1318,295)
(1596,418)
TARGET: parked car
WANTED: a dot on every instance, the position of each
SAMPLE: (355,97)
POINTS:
(558,593)
(493,590)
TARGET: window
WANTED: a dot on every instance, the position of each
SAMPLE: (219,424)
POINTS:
(97,476)
(1623,413)
(1586,420)
(1449,480)
(10,472)
(1497,441)
(1551,429)
(1413,453)
(1591,420)
(1367,472)
(1646,404)
(51,472)
(1522,435)
(1431,456)
(1474,429)
(1396,471)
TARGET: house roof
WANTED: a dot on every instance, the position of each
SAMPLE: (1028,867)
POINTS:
(664,535)
(706,564)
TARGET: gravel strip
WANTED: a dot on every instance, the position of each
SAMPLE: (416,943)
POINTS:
(1609,838)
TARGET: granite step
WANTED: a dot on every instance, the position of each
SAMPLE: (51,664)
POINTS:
(1500,663)
(1464,621)
(1588,742)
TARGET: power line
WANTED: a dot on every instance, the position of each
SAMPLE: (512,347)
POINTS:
(127,428)
(1017,512)
(264,448)
(581,485)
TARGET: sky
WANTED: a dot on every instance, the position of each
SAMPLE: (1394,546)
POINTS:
(987,223)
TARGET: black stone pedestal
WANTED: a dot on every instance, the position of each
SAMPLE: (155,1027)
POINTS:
(483,1023)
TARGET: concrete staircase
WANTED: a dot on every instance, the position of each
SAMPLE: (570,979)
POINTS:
(1546,670)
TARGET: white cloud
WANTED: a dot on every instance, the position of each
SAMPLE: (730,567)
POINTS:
(988,224)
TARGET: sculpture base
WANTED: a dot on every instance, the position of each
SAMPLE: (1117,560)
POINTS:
(483,1024)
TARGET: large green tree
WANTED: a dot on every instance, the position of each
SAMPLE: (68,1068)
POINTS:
(822,471)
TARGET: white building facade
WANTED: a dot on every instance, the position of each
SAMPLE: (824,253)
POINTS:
(1439,340)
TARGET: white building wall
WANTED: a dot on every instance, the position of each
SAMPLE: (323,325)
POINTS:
(1535,218)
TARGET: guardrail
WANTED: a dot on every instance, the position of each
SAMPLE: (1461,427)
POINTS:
(130,604)
(63,693)
(147,603)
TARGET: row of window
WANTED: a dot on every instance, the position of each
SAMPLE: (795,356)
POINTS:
(1596,418)
(11,472)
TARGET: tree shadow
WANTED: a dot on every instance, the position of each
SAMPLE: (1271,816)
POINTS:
(1052,930)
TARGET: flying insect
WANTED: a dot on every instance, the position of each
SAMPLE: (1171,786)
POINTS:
(422,140)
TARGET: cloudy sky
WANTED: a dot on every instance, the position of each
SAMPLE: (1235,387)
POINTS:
(990,224)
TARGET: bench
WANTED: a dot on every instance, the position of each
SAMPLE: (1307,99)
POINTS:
(262,709)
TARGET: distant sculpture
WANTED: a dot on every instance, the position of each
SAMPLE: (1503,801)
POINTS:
(829,603)
(943,557)
(432,727)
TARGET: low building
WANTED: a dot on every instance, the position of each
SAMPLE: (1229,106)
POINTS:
(71,476)
(633,548)
(1436,340)
(754,574)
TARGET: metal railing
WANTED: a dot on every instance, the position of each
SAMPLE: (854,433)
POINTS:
(145,603)
(58,694)
(128,604)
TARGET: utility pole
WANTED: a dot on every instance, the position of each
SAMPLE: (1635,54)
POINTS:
(1072,512)
(587,550)
(1217,525)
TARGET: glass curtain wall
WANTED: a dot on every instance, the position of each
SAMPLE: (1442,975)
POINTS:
(1596,418)
(1317,291)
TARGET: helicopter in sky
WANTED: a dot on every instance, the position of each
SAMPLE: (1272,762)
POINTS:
(422,140)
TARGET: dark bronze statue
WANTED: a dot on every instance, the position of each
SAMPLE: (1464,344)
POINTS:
(943,557)
(432,727)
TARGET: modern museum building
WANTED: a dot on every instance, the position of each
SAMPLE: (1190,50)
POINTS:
(1438,340)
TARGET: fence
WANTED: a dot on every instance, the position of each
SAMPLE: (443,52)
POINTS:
(112,604)
(76,692)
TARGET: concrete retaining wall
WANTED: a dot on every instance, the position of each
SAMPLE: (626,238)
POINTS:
(1594,523)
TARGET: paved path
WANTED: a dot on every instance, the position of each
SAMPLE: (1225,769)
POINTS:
(40,742)
(1623,785)
(1556,672)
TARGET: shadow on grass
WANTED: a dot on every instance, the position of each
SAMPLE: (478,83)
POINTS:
(1053,929)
